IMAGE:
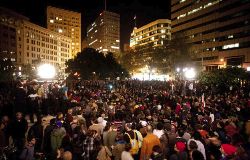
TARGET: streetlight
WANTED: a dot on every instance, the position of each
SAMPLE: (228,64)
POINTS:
(190,73)
(178,69)
(46,71)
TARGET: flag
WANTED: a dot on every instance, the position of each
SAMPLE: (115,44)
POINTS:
(203,105)
(135,17)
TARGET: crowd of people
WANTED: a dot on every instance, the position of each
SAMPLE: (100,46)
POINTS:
(122,120)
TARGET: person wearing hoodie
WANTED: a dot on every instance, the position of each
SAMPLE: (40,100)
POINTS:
(57,136)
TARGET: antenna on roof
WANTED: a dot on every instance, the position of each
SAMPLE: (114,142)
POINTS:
(135,20)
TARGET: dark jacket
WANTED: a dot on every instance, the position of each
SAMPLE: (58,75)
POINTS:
(18,129)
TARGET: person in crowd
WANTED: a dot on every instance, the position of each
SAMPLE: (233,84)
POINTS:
(19,98)
(97,126)
(28,152)
(104,153)
(131,137)
(148,143)
(18,128)
(119,146)
(47,137)
(159,130)
(228,151)
(111,136)
(36,131)
(193,152)
(175,117)
(67,155)
(157,153)
(180,152)
(57,136)
(126,155)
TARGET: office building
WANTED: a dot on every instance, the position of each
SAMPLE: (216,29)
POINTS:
(153,34)
(67,23)
(9,21)
(218,30)
(27,43)
(104,33)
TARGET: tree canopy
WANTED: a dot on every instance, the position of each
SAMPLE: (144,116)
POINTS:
(165,58)
(91,64)
(223,79)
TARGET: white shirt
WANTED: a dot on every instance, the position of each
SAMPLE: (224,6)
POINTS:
(158,133)
(200,148)
(126,156)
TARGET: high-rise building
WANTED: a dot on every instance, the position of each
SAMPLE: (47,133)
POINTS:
(153,33)
(67,23)
(219,30)
(9,21)
(104,33)
(27,43)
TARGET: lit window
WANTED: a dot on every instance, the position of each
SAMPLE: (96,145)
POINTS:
(60,30)
(51,21)
(57,18)
(114,47)
(235,45)
(230,36)
(163,31)
(181,16)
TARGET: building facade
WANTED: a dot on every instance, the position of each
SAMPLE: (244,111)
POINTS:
(67,23)
(219,30)
(41,45)
(9,22)
(153,33)
(104,33)
(28,43)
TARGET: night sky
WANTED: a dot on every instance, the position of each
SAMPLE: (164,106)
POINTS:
(145,11)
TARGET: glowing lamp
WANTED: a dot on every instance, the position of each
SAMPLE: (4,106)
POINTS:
(46,71)
(190,73)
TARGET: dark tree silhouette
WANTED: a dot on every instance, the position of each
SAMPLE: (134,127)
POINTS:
(91,64)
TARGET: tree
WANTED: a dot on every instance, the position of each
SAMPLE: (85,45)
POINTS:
(165,58)
(90,63)
(222,79)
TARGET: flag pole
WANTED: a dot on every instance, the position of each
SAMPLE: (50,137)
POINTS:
(135,20)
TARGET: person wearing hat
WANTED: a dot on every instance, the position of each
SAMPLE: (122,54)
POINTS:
(228,151)
(180,152)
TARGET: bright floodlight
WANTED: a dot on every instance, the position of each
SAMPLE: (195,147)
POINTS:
(46,71)
(178,69)
(190,73)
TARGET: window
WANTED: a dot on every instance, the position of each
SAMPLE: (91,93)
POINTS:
(235,45)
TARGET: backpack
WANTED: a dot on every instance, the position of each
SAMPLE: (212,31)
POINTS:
(134,144)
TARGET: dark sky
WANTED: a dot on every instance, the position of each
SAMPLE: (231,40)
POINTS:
(145,11)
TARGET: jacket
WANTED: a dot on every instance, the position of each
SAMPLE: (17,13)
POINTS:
(56,138)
